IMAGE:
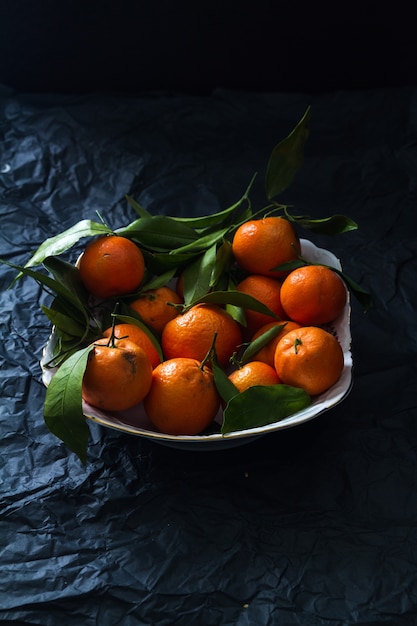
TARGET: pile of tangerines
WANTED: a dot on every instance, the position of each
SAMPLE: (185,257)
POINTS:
(162,353)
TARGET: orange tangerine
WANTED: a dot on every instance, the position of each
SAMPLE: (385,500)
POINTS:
(183,398)
(118,375)
(310,358)
(261,245)
(191,334)
(313,295)
(155,307)
(111,266)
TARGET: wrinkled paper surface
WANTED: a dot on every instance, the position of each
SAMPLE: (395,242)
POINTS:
(315,524)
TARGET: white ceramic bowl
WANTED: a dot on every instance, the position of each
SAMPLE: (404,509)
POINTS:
(135,421)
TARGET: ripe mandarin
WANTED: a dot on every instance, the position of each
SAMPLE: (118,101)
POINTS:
(261,245)
(183,398)
(111,266)
(268,291)
(310,358)
(118,375)
(253,373)
(139,337)
(267,353)
(313,295)
(191,334)
(155,307)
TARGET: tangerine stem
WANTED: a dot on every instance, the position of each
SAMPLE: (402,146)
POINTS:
(111,342)
(211,352)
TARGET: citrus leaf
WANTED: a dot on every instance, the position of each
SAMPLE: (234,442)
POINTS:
(224,259)
(159,233)
(219,218)
(65,240)
(137,207)
(363,296)
(224,385)
(286,158)
(161,261)
(260,342)
(333,225)
(197,276)
(288,266)
(47,281)
(158,281)
(262,405)
(66,273)
(235,298)
(65,323)
(63,413)
(202,243)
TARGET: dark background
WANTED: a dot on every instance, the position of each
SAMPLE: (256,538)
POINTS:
(84,46)
(313,526)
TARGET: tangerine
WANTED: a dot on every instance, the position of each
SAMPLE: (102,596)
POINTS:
(118,375)
(183,398)
(268,291)
(139,337)
(310,358)
(313,295)
(155,307)
(267,353)
(259,246)
(191,334)
(254,373)
(111,266)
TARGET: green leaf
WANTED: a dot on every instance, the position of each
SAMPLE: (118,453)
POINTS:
(65,323)
(63,413)
(286,158)
(159,233)
(288,266)
(197,275)
(224,259)
(202,243)
(137,207)
(160,261)
(67,274)
(50,283)
(236,298)
(65,240)
(262,405)
(158,281)
(219,218)
(260,342)
(333,225)
(224,385)
(363,296)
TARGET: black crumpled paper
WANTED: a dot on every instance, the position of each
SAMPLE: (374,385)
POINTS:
(314,525)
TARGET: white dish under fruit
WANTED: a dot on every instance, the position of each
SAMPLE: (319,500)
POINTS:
(135,421)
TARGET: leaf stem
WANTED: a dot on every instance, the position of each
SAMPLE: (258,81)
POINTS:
(111,342)
(211,353)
